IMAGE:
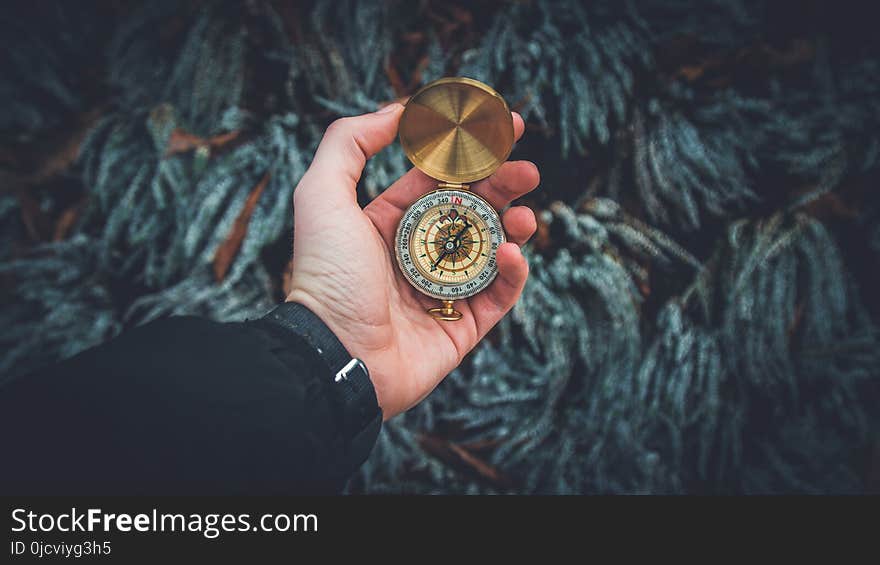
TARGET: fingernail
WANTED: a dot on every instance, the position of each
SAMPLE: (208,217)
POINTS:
(394,106)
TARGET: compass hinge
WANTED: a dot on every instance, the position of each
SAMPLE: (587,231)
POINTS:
(453,185)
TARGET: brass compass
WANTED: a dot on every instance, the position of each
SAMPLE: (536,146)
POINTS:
(456,130)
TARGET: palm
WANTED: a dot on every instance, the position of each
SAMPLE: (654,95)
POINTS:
(344,271)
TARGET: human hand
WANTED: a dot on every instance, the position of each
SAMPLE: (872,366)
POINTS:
(344,272)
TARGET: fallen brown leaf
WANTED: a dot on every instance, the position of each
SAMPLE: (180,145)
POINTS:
(395,79)
(34,219)
(181,141)
(829,206)
(476,463)
(521,103)
(67,150)
(66,221)
(456,454)
(229,248)
(416,79)
(49,156)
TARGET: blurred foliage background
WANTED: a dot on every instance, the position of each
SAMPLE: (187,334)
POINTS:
(703,307)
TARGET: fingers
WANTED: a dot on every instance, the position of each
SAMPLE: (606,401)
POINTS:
(492,304)
(520,224)
(339,161)
(512,180)
(519,126)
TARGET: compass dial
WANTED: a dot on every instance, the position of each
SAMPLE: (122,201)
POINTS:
(446,244)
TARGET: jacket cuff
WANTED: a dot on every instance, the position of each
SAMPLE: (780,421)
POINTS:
(355,395)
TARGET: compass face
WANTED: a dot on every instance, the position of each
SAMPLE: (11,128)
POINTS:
(446,244)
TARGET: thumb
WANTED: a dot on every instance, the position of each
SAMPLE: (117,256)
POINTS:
(343,152)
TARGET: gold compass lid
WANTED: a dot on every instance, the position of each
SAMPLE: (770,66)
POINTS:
(456,130)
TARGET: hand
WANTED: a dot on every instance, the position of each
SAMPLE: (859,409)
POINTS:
(344,270)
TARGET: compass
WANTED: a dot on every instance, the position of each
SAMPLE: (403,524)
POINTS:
(456,130)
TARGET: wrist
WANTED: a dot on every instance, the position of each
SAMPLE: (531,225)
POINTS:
(331,319)
(359,344)
(346,377)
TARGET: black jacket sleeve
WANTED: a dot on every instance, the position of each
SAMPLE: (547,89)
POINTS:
(185,406)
